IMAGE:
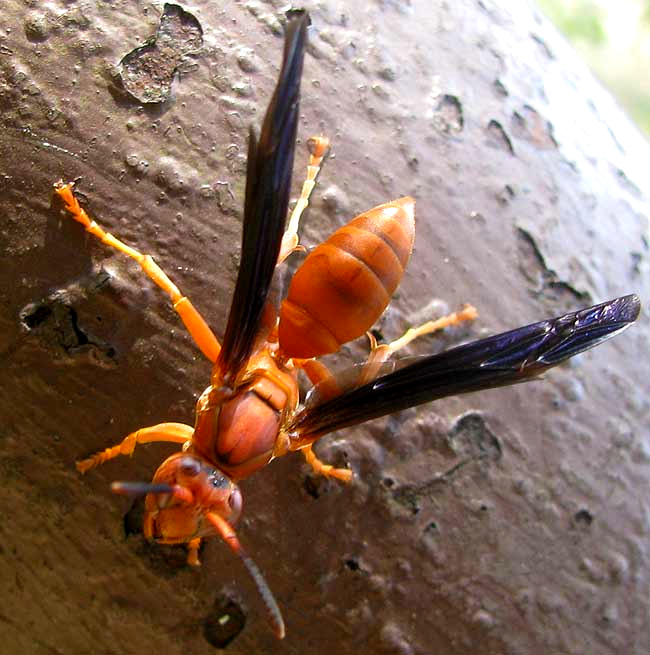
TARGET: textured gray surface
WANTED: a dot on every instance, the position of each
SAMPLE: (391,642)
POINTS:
(530,201)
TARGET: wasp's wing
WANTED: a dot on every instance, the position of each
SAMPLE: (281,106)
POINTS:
(268,184)
(497,361)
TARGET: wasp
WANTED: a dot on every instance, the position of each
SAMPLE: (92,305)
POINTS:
(252,410)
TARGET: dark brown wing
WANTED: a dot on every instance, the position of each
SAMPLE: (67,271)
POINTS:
(268,184)
(503,359)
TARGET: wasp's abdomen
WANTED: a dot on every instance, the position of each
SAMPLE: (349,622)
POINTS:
(344,285)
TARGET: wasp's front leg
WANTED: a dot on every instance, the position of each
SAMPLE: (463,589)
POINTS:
(174,432)
(193,552)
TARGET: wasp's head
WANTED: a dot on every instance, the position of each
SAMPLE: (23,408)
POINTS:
(189,498)
(184,491)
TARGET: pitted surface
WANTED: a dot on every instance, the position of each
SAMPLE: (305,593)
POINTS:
(530,202)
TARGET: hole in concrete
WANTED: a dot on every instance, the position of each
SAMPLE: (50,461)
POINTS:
(352,564)
(583,517)
(224,623)
(35,315)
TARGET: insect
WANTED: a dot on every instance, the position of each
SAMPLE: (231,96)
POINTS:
(252,411)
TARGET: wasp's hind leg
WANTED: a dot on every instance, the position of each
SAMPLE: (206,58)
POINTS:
(318,147)
(380,353)
(319,374)
(194,322)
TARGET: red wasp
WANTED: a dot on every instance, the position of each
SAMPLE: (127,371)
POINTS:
(252,412)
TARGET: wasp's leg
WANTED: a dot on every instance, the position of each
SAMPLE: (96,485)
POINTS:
(318,373)
(193,552)
(329,471)
(174,432)
(382,352)
(318,147)
(194,322)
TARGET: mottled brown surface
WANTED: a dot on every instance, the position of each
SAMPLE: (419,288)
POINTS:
(530,201)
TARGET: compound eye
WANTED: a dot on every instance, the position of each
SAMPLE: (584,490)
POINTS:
(190,466)
(235,502)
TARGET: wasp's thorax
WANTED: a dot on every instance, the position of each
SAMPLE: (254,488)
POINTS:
(237,428)
(198,489)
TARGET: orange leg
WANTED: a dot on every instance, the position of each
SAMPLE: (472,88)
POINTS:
(345,475)
(174,432)
(318,147)
(317,373)
(194,322)
(379,354)
(193,552)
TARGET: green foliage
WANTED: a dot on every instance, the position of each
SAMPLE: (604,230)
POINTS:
(581,21)
(621,64)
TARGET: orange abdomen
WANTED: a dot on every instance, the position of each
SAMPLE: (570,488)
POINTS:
(344,285)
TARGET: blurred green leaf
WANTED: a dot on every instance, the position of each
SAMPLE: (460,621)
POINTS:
(620,63)
(581,20)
